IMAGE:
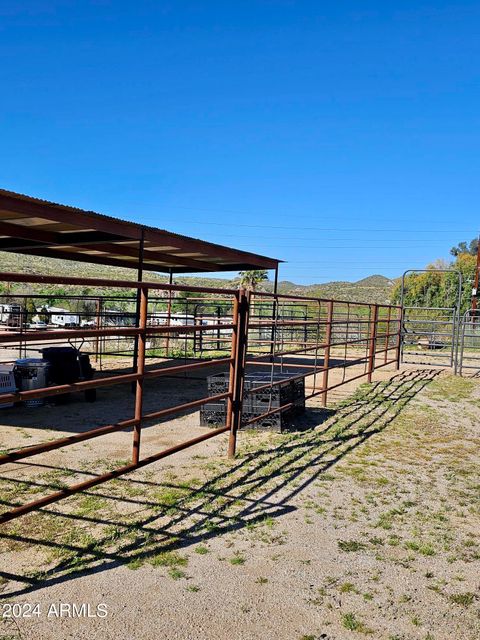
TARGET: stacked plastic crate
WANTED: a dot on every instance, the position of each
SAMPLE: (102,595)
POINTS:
(213,414)
(285,391)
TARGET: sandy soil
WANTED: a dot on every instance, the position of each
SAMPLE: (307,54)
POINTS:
(366,524)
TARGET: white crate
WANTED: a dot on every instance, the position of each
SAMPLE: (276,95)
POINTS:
(7,383)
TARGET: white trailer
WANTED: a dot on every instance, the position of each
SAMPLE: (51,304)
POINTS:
(10,314)
(61,317)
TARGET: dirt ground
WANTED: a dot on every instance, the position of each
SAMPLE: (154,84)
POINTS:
(366,523)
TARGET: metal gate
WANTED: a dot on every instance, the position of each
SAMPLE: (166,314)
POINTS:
(430,334)
(468,353)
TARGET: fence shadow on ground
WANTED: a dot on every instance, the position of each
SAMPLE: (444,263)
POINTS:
(260,484)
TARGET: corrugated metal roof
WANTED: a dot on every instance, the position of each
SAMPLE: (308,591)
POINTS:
(38,227)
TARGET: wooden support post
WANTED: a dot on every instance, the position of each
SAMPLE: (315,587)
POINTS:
(237,372)
(326,354)
(372,342)
(140,370)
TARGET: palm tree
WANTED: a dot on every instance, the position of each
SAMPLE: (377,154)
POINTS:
(251,279)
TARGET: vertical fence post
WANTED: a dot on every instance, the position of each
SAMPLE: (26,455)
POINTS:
(372,341)
(326,355)
(137,429)
(141,246)
(305,329)
(461,339)
(169,314)
(237,374)
(219,331)
(387,336)
(98,325)
(274,316)
(23,323)
(399,323)
(197,335)
(233,360)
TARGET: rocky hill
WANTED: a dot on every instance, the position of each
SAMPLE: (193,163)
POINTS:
(375,288)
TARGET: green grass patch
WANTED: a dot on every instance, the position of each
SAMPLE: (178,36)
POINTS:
(88,505)
(135,564)
(237,559)
(352,623)
(452,388)
(170,498)
(176,574)
(201,550)
(351,545)
(193,588)
(463,599)
(424,548)
(168,559)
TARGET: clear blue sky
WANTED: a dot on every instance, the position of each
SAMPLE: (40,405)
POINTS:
(342,137)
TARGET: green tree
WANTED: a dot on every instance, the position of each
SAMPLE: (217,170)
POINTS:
(30,309)
(251,279)
(463,247)
(44,315)
(433,288)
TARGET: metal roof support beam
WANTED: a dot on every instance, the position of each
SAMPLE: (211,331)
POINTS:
(103,242)
(81,257)
(161,256)
(16,232)
(187,244)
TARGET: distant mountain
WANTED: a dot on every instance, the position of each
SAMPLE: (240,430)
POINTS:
(375,281)
(375,288)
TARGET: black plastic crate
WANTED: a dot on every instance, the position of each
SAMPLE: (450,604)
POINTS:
(213,413)
(257,403)
(278,421)
(217,383)
(255,380)
(211,418)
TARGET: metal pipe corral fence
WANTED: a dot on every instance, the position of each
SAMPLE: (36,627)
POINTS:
(301,336)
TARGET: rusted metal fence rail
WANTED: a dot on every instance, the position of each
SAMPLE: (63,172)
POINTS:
(107,311)
(141,332)
(349,339)
(308,338)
